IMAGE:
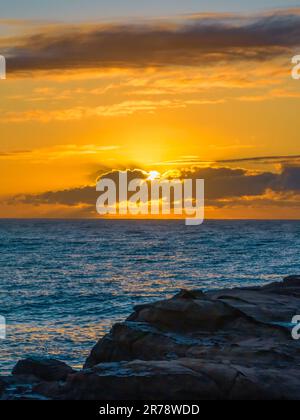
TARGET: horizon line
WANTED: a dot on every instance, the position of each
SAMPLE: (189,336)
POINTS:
(140,219)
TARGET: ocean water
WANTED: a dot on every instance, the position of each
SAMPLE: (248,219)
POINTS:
(64,283)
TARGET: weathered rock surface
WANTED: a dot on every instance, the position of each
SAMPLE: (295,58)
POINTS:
(43,368)
(228,344)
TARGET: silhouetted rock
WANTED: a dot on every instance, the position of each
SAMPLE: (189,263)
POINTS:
(43,368)
(18,387)
(2,386)
(182,379)
(226,344)
(291,281)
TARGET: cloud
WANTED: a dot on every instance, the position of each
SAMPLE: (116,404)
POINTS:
(69,197)
(194,161)
(223,187)
(86,195)
(263,159)
(15,153)
(59,152)
(124,108)
(196,40)
(225,183)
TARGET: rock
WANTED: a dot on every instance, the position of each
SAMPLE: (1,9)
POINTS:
(237,324)
(153,380)
(240,337)
(232,344)
(43,368)
(293,281)
(264,305)
(189,294)
(180,379)
(2,386)
(182,314)
(17,387)
(49,390)
(290,287)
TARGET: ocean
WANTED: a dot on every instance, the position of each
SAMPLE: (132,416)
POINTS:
(64,283)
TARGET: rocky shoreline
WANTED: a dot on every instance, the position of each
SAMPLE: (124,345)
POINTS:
(231,344)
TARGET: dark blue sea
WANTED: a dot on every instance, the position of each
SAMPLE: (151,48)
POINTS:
(64,283)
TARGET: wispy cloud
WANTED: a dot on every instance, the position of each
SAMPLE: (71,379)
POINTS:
(123,108)
(263,159)
(194,161)
(59,152)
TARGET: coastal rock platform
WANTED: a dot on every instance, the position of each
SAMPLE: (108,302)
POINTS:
(228,344)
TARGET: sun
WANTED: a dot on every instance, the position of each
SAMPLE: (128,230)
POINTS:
(153,175)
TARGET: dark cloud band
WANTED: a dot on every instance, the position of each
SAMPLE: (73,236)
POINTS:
(194,41)
(220,184)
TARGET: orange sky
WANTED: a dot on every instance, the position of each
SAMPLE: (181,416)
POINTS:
(65,122)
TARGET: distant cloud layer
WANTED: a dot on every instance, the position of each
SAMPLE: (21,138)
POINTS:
(193,40)
(223,186)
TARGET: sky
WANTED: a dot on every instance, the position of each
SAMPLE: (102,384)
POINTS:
(98,9)
(194,88)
